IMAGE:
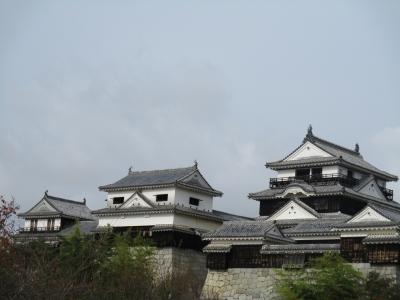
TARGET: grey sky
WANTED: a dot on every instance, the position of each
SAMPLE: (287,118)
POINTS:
(88,88)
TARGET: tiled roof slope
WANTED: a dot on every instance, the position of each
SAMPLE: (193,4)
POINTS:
(167,177)
(71,208)
(341,155)
(63,207)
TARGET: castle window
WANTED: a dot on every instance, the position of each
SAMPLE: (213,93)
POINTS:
(118,200)
(162,197)
(316,171)
(302,173)
(194,201)
(350,174)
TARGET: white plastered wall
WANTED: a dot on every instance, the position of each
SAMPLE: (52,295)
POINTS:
(291,211)
(182,198)
(138,220)
(308,150)
(368,215)
(286,173)
(150,194)
(151,220)
(330,170)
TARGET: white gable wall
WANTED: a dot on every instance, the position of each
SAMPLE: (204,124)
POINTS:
(43,206)
(372,189)
(368,215)
(291,211)
(135,201)
(308,150)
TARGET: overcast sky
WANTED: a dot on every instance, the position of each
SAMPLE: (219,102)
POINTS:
(89,88)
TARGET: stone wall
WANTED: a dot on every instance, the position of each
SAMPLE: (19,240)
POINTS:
(259,283)
(184,261)
(388,271)
(240,284)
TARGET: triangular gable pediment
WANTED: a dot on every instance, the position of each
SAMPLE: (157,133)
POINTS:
(307,150)
(196,179)
(42,207)
(274,231)
(293,211)
(134,201)
(372,189)
(368,214)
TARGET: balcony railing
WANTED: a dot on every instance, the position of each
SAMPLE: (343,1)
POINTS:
(388,193)
(39,229)
(316,179)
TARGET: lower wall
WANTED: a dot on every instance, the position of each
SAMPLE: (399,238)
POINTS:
(175,260)
(258,283)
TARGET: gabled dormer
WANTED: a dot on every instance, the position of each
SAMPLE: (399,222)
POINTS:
(185,187)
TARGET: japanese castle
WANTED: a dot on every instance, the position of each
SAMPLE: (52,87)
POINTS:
(325,197)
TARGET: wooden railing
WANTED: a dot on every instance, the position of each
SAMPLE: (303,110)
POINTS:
(40,229)
(315,179)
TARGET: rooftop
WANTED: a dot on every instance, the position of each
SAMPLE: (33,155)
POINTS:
(188,177)
(59,206)
(339,155)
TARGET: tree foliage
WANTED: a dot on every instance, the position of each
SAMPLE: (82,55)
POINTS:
(330,277)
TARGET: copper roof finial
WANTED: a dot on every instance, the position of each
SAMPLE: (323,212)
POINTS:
(357,148)
(84,201)
(46,192)
(195,163)
(130,170)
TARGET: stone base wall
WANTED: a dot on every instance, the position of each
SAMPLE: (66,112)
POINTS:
(181,261)
(388,271)
(259,283)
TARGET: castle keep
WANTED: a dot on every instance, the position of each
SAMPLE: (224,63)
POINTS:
(325,197)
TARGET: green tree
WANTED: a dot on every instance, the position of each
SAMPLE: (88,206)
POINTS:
(329,277)
(381,288)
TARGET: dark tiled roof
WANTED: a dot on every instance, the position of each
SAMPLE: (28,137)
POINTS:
(71,208)
(85,227)
(382,239)
(366,224)
(161,178)
(261,230)
(167,227)
(317,189)
(299,248)
(341,155)
(322,225)
(217,248)
(241,229)
(324,190)
(63,207)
